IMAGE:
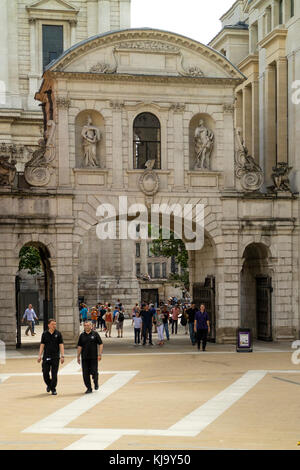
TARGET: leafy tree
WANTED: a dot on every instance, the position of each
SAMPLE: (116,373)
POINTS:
(30,260)
(173,248)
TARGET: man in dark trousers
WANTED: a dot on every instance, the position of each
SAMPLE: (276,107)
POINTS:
(201,327)
(147,316)
(52,346)
(90,348)
(191,319)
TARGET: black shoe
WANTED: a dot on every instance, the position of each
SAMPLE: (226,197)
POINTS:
(54,392)
(89,390)
(48,389)
(150,344)
(96,387)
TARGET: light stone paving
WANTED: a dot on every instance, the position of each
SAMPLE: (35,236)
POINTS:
(152,398)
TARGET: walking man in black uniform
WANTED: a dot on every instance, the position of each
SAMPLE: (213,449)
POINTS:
(90,348)
(52,346)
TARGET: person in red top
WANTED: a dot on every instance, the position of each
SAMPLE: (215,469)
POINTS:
(108,317)
(175,314)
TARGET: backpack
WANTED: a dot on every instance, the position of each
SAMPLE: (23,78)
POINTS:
(183,320)
(121,317)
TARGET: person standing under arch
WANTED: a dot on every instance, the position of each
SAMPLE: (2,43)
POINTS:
(201,327)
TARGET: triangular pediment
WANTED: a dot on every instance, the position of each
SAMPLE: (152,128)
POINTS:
(54,5)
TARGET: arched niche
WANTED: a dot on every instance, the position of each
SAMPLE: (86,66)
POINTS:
(97,121)
(210,124)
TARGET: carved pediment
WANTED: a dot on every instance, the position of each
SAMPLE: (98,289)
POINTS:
(146,52)
(51,5)
(59,9)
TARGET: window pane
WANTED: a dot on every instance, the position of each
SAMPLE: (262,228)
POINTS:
(157,270)
(164,270)
(138,269)
(146,140)
(150,254)
(150,269)
(53,43)
(138,250)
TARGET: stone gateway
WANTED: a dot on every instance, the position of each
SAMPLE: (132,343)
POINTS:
(150,115)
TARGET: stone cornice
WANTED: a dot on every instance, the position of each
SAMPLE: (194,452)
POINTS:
(171,40)
(119,77)
(276,34)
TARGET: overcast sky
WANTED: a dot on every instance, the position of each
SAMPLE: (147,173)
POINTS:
(197,19)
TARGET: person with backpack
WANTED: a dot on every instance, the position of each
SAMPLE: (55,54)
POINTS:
(119,318)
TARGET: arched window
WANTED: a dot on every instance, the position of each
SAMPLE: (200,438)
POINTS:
(146,141)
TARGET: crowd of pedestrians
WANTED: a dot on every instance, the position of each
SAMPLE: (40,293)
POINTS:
(146,320)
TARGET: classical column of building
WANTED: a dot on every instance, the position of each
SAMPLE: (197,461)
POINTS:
(63,104)
(178,151)
(270,131)
(282,112)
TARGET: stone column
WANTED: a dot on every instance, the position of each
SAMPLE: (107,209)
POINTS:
(92,17)
(73,25)
(63,104)
(178,151)
(117,149)
(104,16)
(239,110)
(255,121)
(3,54)
(8,269)
(247,117)
(143,257)
(270,124)
(125,10)
(34,72)
(229,146)
(13,59)
(275,13)
(282,102)
(66,288)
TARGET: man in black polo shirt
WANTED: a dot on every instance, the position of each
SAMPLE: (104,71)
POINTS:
(52,346)
(90,348)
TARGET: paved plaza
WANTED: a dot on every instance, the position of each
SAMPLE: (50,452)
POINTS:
(152,398)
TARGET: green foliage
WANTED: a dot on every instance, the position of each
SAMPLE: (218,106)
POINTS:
(30,260)
(173,247)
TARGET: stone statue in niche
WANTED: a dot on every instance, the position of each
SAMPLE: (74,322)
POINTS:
(90,137)
(204,144)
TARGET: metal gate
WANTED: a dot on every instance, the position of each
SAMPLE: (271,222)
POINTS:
(150,296)
(205,293)
(264,308)
(18,314)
